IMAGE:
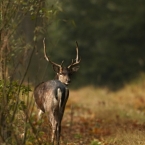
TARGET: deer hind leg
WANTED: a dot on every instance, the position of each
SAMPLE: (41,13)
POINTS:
(54,124)
(58,116)
(56,129)
(58,133)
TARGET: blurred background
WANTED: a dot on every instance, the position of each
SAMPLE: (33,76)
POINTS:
(110,35)
(111,38)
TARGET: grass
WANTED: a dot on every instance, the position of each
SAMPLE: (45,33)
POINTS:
(97,116)
(111,118)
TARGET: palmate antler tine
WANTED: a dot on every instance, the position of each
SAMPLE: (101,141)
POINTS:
(46,57)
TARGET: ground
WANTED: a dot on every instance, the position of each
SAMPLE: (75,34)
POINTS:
(98,116)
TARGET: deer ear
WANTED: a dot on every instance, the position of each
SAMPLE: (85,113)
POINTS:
(56,68)
(75,68)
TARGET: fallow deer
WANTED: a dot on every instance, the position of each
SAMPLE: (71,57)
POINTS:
(51,96)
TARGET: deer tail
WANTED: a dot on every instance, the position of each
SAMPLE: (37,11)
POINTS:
(59,95)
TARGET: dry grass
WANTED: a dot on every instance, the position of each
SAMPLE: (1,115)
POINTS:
(98,116)
(113,118)
(93,116)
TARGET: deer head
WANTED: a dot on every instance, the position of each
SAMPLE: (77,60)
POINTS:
(64,73)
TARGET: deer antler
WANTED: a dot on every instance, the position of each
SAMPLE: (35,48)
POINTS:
(77,56)
(77,60)
(47,58)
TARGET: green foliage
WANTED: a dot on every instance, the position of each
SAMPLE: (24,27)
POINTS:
(110,36)
(21,27)
(12,110)
(17,117)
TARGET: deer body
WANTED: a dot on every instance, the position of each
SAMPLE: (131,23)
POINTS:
(47,94)
(51,96)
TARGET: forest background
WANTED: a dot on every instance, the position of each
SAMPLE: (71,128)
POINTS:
(110,34)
